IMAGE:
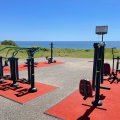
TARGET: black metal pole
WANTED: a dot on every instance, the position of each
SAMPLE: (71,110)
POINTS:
(29,70)
(113,61)
(97,102)
(32,89)
(13,71)
(94,65)
(102,37)
(1,68)
(51,52)
(11,68)
(102,47)
(117,65)
(16,68)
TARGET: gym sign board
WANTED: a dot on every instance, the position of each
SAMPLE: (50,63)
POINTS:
(100,30)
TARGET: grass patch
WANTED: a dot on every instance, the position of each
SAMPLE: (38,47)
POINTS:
(61,52)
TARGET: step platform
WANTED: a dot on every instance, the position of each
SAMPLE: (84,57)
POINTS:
(20,94)
(74,107)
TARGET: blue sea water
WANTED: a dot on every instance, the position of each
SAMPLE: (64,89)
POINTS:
(67,44)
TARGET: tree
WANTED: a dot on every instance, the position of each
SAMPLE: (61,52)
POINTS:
(8,42)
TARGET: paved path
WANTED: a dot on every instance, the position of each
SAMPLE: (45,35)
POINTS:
(65,76)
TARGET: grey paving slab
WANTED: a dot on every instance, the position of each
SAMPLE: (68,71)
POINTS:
(65,76)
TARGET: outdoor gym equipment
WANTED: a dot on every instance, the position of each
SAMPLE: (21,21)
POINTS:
(115,70)
(14,67)
(2,76)
(30,61)
(1,70)
(30,53)
(85,87)
(50,60)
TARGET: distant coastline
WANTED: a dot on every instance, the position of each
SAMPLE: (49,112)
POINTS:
(67,44)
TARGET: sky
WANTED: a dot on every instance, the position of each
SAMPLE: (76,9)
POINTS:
(58,20)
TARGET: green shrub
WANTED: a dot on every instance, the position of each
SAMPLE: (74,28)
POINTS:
(8,42)
(45,49)
(87,50)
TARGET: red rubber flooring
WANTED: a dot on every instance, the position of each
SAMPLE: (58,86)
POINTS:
(74,107)
(20,94)
(24,66)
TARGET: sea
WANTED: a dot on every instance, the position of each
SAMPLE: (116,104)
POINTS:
(67,44)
